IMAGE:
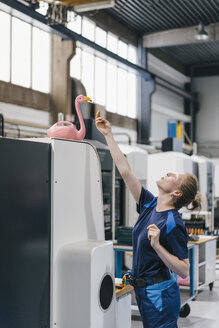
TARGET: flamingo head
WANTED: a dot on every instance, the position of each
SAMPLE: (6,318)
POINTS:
(80,99)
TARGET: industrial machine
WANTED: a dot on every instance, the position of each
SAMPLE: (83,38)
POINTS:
(56,269)
(125,205)
(204,170)
(205,175)
(161,163)
(97,139)
(215,162)
(107,172)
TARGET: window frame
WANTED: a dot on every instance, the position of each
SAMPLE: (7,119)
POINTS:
(79,45)
(30,77)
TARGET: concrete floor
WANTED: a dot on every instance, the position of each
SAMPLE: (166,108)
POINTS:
(204,310)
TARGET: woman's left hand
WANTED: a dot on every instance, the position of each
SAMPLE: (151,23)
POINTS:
(154,235)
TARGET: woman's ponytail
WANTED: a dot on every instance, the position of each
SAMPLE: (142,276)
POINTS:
(190,198)
(196,203)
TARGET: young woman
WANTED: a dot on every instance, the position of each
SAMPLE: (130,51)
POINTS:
(159,238)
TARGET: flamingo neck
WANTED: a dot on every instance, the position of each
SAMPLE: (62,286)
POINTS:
(81,131)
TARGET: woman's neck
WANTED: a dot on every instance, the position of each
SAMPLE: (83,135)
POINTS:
(164,202)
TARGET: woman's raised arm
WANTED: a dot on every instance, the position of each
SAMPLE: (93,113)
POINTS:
(120,160)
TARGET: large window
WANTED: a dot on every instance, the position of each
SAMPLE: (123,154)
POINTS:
(21,53)
(25,54)
(75,65)
(111,100)
(100,81)
(5,29)
(105,81)
(74,22)
(87,74)
(41,60)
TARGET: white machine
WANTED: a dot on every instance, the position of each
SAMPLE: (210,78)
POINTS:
(215,162)
(58,266)
(79,264)
(82,263)
(125,205)
(159,164)
(204,170)
(138,161)
(205,175)
(85,285)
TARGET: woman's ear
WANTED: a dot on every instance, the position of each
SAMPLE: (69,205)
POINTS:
(177,193)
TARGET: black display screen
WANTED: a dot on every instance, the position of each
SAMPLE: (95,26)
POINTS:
(24,234)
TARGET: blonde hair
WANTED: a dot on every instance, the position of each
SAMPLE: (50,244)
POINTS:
(190,194)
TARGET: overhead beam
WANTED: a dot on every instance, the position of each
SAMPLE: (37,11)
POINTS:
(204,70)
(168,60)
(179,91)
(78,2)
(109,23)
(31,16)
(179,36)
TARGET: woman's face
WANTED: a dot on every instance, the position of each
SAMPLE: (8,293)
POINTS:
(170,182)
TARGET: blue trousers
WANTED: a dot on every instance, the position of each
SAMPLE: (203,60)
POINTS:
(159,304)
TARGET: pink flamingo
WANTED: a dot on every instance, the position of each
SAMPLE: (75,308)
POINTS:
(67,130)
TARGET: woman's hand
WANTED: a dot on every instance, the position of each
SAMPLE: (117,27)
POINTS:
(102,125)
(180,267)
(154,236)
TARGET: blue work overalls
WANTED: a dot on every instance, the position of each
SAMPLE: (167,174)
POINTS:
(159,303)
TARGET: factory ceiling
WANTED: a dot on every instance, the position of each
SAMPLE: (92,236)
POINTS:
(146,16)
(151,18)
(169,29)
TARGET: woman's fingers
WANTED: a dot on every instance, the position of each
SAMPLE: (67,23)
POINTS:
(102,125)
(99,120)
(152,226)
(98,114)
(153,231)
(151,234)
(103,121)
(99,117)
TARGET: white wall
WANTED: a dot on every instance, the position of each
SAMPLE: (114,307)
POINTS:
(165,104)
(24,121)
(22,114)
(208,116)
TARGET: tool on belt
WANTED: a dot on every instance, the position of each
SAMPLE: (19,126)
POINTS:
(146,281)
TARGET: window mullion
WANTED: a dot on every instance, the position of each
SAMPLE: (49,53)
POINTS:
(31,56)
(10,68)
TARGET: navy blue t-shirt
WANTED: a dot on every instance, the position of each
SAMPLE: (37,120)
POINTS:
(173,236)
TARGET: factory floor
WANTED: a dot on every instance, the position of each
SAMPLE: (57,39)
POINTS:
(204,310)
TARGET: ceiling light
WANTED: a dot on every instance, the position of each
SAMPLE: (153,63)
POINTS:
(201,33)
(94,5)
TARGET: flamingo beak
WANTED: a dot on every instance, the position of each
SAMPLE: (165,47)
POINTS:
(87,99)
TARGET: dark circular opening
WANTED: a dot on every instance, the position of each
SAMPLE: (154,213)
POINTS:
(106,292)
